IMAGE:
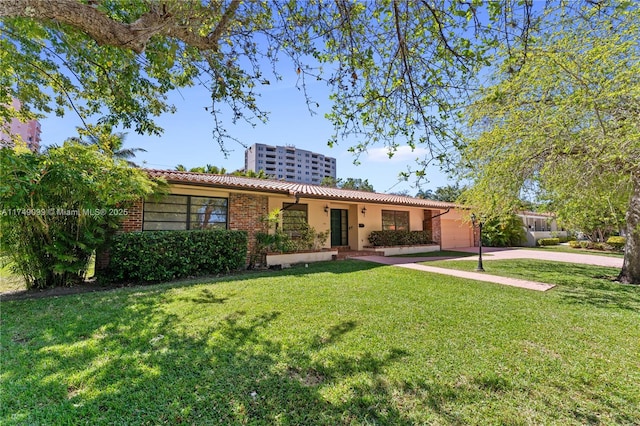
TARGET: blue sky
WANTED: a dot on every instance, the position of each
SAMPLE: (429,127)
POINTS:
(188,140)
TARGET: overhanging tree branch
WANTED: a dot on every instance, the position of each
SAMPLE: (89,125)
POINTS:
(159,20)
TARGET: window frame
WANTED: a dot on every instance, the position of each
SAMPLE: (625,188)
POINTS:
(394,219)
(289,224)
(189,211)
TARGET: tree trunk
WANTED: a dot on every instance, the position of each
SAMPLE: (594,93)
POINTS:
(630,273)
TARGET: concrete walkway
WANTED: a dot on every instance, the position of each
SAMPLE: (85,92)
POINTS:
(585,259)
(410,263)
(497,254)
(481,276)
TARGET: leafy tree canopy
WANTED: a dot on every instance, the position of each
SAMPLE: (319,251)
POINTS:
(348,183)
(108,143)
(203,169)
(60,206)
(565,123)
(397,70)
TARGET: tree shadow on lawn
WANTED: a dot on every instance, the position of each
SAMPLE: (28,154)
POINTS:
(343,266)
(595,286)
(576,283)
(614,295)
(145,366)
(151,356)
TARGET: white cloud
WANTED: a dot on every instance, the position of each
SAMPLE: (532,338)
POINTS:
(403,154)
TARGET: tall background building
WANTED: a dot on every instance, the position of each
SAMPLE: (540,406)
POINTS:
(289,163)
(28,132)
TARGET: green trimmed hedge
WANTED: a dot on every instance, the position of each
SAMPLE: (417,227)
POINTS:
(153,256)
(548,241)
(617,242)
(590,245)
(399,238)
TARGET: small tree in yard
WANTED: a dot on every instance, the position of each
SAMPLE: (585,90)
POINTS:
(564,123)
(504,231)
(59,207)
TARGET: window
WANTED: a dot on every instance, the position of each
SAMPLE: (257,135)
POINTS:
(208,213)
(395,220)
(294,218)
(181,212)
(170,213)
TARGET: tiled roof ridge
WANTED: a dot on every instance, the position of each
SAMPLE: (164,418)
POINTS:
(293,188)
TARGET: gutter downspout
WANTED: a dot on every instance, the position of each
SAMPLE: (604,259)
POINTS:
(297,197)
(442,214)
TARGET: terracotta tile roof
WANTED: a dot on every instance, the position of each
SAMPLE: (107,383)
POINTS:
(292,189)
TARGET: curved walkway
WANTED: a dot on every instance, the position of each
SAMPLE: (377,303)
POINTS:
(498,254)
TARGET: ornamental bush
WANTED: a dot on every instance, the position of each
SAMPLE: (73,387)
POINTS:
(153,256)
(58,207)
(548,241)
(504,231)
(617,242)
(399,238)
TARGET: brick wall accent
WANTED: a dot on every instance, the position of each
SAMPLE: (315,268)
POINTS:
(436,230)
(133,221)
(102,260)
(246,213)
(432,224)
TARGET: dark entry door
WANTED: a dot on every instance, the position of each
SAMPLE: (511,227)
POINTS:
(339,227)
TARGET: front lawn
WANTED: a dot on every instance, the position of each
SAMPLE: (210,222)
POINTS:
(336,343)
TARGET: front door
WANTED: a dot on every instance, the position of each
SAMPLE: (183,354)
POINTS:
(339,227)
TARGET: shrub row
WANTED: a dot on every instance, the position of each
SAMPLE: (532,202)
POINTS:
(613,243)
(548,241)
(399,238)
(167,255)
(566,239)
(617,242)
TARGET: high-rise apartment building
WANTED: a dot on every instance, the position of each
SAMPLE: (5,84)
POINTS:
(289,163)
(29,132)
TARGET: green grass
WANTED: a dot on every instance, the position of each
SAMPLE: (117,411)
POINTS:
(9,281)
(336,343)
(576,282)
(567,249)
(443,253)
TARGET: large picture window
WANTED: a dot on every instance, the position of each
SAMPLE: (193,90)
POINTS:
(294,218)
(181,212)
(395,220)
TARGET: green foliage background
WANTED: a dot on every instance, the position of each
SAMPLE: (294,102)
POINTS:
(503,232)
(59,207)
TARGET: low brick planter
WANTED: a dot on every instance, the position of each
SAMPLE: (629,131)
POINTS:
(300,257)
(400,250)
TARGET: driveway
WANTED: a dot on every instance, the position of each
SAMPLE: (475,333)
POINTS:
(501,253)
(497,254)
